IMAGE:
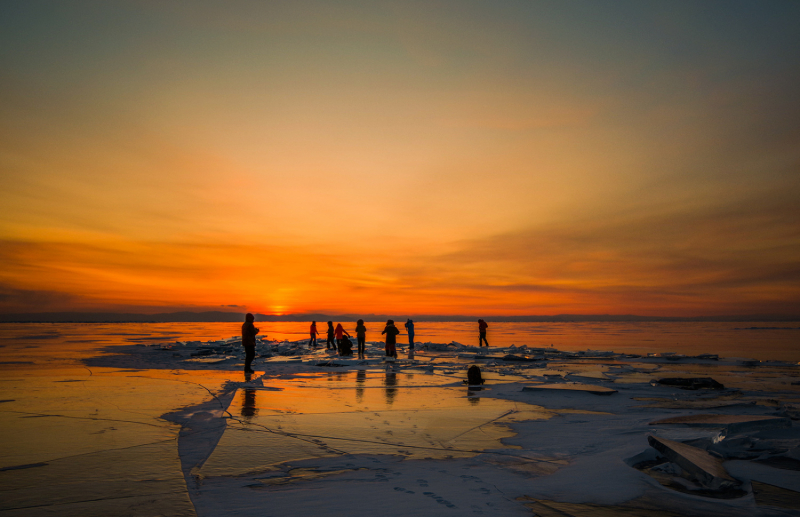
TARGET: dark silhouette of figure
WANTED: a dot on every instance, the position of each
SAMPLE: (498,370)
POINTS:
(474,377)
(390,382)
(249,408)
(361,377)
(345,346)
(391,338)
(249,332)
(330,336)
(482,326)
(313,340)
(361,338)
(339,333)
(410,330)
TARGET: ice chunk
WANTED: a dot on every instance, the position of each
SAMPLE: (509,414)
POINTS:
(705,468)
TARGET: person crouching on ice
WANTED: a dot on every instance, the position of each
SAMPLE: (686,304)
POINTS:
(338,333)
(391,338)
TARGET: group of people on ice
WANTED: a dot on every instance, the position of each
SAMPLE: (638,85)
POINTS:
(340,340)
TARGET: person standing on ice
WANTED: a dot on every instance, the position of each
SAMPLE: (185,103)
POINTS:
(482,325)
(361,337)
(410,330)
(313,340)
(391,338)
(249,332)
(338,333)
(330,336)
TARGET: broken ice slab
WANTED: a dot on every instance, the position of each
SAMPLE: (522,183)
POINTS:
(634,508)
(591,375)
(512,357)
(733,423)
(705,468)
(691,383)
(711,357)
(771,495)
(573,387)
(209,359)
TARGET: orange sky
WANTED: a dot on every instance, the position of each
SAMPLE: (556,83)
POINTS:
(453,158)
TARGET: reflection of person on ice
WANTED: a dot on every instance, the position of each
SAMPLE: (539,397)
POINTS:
(482,330)
(249,332)
(391,338)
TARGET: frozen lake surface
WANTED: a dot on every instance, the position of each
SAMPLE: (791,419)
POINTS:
(138,419)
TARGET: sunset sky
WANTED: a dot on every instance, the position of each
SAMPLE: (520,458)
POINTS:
(497,157)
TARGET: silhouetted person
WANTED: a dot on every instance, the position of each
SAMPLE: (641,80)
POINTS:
(482,326)
(313,340)
(345,346)
(361,338)
(391,338)
(410,330)
(330,342)
(338,334)
(249,332)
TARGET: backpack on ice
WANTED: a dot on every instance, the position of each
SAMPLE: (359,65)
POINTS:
(474,376)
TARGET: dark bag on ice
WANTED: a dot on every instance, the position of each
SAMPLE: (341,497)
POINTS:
(474,375)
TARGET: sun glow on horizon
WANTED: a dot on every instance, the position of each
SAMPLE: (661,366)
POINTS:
(520,158)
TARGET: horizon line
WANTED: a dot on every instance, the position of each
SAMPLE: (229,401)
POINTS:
(232,316)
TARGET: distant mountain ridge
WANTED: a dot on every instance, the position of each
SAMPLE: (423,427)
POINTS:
(223,316)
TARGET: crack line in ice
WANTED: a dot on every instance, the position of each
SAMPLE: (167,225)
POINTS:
(84,418)
(388,444)
(296,436)
(91,500)
(513,501)
(510,411)
(105,450)
(222,406)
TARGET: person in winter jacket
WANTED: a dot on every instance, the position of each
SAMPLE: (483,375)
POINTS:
(330,343)
(410,330)
(361,337)
(391,338)
(249,332)
(313,340)
(482,326)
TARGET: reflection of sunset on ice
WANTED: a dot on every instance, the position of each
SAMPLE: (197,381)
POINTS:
(105,416)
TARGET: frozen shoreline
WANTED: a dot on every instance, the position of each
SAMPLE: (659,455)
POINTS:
(589,443)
